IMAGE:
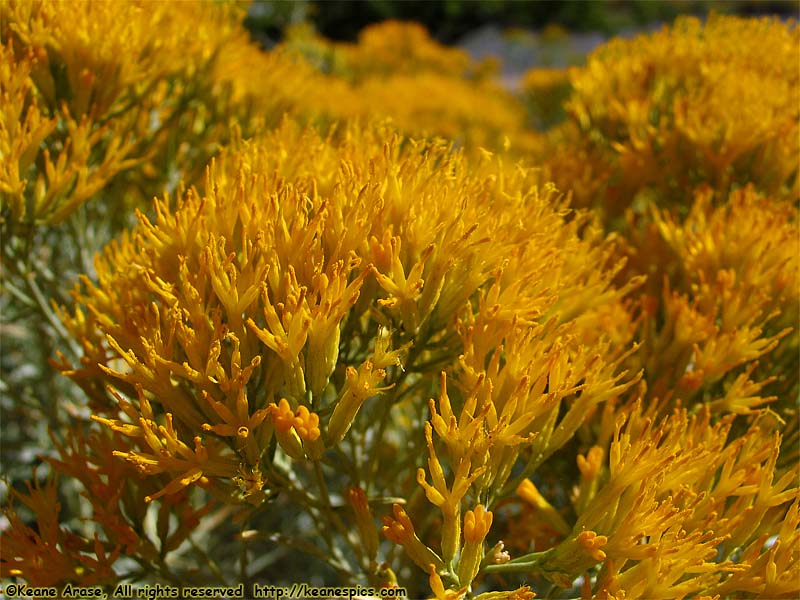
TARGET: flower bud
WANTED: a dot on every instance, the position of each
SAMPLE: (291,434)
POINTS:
(364,522)
(400,530)
(476,526)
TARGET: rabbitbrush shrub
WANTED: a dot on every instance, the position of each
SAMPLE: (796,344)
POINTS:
(358,339)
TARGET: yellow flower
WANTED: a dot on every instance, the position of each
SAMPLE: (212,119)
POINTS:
(592,543)
(97,92)
(336,298)
(295,429)
(23,126)
(400,530)
(676,505)
(722,309)
(437,587)
(397,70)
(447,499)
(590,467)
(324,284)
(656,115)
(405,289)
(360,384)
(286,333)
(477,523)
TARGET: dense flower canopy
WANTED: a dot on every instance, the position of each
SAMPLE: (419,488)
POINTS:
(359,323)
(652,117)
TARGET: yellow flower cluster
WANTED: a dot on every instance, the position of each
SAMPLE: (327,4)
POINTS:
(243,292)
(242,316)
(728,299)
(652,117)
(396,70)
(388,345)
(93,89)
(391,48)
(82,111)
(673,119)
(676,498)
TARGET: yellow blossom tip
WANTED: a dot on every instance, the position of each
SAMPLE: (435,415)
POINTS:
(592,542)
(477,524)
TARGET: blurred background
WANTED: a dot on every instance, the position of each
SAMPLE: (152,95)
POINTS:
(522,34)
(450,20)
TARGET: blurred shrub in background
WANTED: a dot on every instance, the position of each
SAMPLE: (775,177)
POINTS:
(449,20)
(395,69)
(663,113)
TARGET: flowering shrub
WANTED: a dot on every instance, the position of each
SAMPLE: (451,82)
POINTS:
(401,356)
(257,321)
(654,122)
(655,116)
(95,89)
(107,104)
(395,69)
